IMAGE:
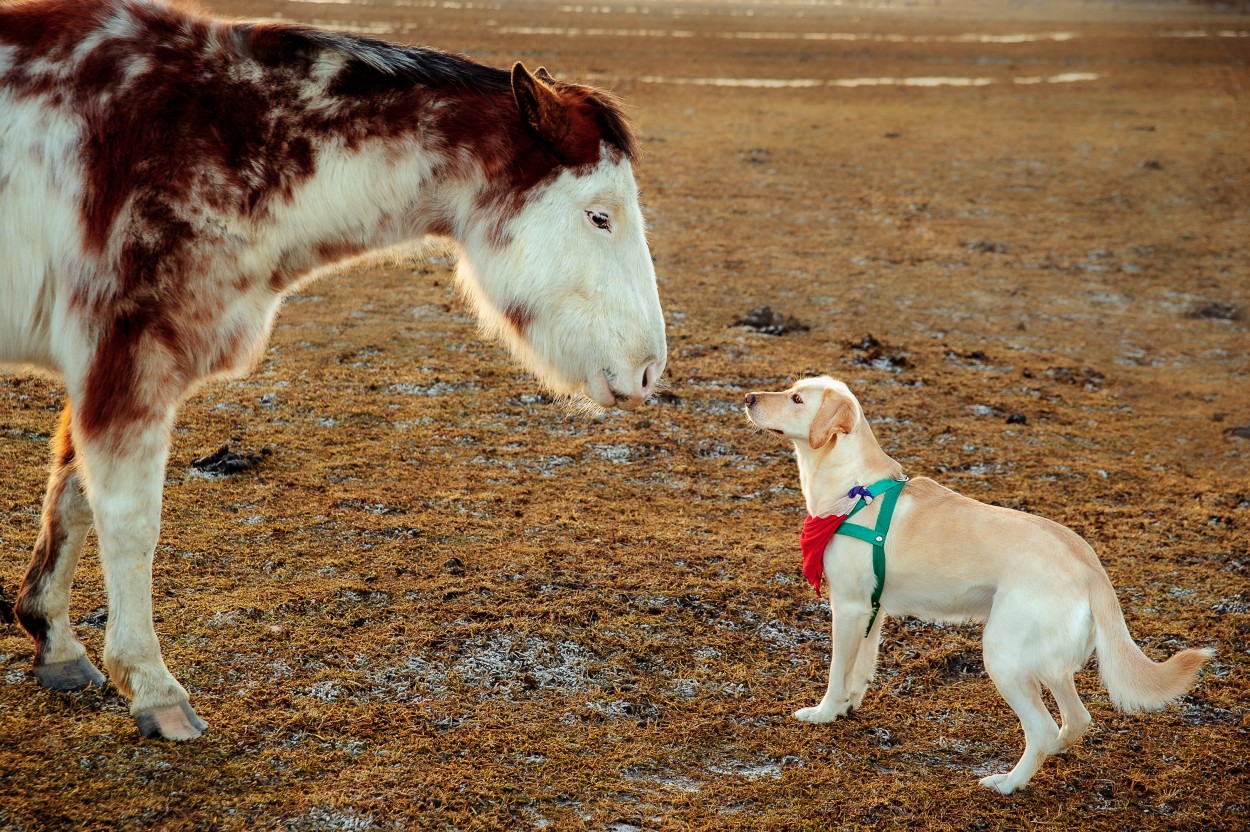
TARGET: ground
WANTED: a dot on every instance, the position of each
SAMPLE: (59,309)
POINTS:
(441,601)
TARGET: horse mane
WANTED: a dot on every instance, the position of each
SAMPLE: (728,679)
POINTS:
(374,65)
(371,59)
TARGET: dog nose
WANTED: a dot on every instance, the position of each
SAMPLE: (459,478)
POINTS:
(750,399)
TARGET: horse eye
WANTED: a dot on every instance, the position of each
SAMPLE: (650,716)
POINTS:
(599,220)
(796,398)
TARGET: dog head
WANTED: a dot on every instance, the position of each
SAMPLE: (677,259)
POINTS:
(814,412)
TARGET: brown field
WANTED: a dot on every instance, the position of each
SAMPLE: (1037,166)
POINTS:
(443,602)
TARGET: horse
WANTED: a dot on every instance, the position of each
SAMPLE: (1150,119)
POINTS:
(167,178)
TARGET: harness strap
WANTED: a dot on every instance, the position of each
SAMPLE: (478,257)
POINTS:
(888,491)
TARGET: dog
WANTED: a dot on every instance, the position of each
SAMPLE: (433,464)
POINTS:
(1045,599)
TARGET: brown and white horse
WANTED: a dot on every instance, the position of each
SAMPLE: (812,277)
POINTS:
(166,178)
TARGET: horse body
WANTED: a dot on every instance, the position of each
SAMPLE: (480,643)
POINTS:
(166,179)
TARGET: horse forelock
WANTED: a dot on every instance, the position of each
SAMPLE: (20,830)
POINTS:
(607,114)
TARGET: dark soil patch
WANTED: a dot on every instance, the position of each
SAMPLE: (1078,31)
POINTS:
(870,352)
(764,320)
(225,461)
(1218,311)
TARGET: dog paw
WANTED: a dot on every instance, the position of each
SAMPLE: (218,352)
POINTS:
(822,713)
(1000,783)
(817,715)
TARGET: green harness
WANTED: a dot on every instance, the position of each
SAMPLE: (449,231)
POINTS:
(887,491)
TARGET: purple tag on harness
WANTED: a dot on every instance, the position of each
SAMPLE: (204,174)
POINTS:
(860,491)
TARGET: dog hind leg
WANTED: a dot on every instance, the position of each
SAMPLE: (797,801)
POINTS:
(1072,711)
(1013,659)
(1023,693)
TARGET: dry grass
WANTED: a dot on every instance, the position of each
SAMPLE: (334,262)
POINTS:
(442,602)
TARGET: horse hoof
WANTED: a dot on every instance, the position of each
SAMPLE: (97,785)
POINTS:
(171,722)
(72,675)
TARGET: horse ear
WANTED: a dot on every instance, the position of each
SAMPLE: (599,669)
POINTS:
(836,415)
(543,75)
(540,106)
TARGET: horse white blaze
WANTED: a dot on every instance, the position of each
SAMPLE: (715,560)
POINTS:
(573,293)
(166,178)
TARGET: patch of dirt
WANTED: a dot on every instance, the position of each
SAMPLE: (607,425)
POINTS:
(225,461)
(1217,310)
(450,603)
(870,352)
(764,320)
(1086,377)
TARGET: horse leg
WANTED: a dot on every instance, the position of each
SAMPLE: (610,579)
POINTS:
(42,606)
(125,470)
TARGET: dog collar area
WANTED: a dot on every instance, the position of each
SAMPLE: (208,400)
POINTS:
(888,491)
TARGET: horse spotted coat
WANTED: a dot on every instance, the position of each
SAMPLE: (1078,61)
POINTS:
(166,178)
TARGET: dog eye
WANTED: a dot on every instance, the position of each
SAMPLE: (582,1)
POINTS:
(796,398)
(600,220)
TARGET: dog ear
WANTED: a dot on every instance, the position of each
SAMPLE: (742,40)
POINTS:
(836,415)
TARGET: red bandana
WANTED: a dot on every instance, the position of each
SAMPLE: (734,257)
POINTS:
(817,532)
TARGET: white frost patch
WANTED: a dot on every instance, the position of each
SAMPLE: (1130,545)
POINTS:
(738,768)
(416,678)
(850,37)
(784,635)
(1061,78)
(716,407)
(613,709)
(1203,33)
(675,782)
(438,388)
(545,466)
(327,819)
(196,473)
(616,454)
(325,691)
(503,661)
(883,81)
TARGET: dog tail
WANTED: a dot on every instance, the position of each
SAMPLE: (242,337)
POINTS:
(1134,681)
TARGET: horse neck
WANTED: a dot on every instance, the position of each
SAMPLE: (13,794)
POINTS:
(408,184)
(397,154)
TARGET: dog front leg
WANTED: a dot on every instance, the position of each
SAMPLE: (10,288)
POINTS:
(865,666)
(849,621)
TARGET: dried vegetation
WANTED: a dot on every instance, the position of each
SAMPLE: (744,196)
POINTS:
(441,602)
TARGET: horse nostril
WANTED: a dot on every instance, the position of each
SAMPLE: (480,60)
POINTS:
(648,378)
(750,399)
